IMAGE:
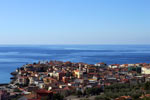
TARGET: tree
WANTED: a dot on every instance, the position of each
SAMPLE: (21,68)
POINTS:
(57,96)
(78,93)
(146,98)
(147,86)
(101,97)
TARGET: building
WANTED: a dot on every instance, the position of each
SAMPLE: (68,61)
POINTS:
(146,70)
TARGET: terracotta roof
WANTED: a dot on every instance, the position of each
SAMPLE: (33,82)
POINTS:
(101,63)
(91,68)
(146,95)
(30,96)
(43,91)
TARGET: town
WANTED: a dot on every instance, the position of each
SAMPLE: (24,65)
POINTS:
(57,80)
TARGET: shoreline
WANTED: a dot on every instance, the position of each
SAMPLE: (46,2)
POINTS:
(65,78)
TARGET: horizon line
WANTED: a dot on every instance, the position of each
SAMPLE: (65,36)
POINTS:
(74,44)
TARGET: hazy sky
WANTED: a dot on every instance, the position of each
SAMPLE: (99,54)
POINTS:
(75,22)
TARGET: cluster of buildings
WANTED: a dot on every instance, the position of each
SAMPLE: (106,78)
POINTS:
(47,78)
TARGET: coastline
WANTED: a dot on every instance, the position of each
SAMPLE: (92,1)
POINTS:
(55,77)
(16,56)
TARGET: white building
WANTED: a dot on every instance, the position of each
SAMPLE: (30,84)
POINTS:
(146,70)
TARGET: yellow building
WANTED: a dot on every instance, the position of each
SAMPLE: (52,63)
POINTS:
(78,73)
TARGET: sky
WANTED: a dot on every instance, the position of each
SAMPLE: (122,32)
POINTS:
(74,21)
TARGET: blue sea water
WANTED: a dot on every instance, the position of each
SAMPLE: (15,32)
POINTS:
(13,56)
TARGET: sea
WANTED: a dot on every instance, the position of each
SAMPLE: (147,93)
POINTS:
(14,56)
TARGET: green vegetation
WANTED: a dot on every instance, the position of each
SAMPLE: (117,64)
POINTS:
(93,91)
(17,90)
(57,96)
(119,89)
(146,98)
(102,97)
(15,97)
(78,93)
(88,92)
